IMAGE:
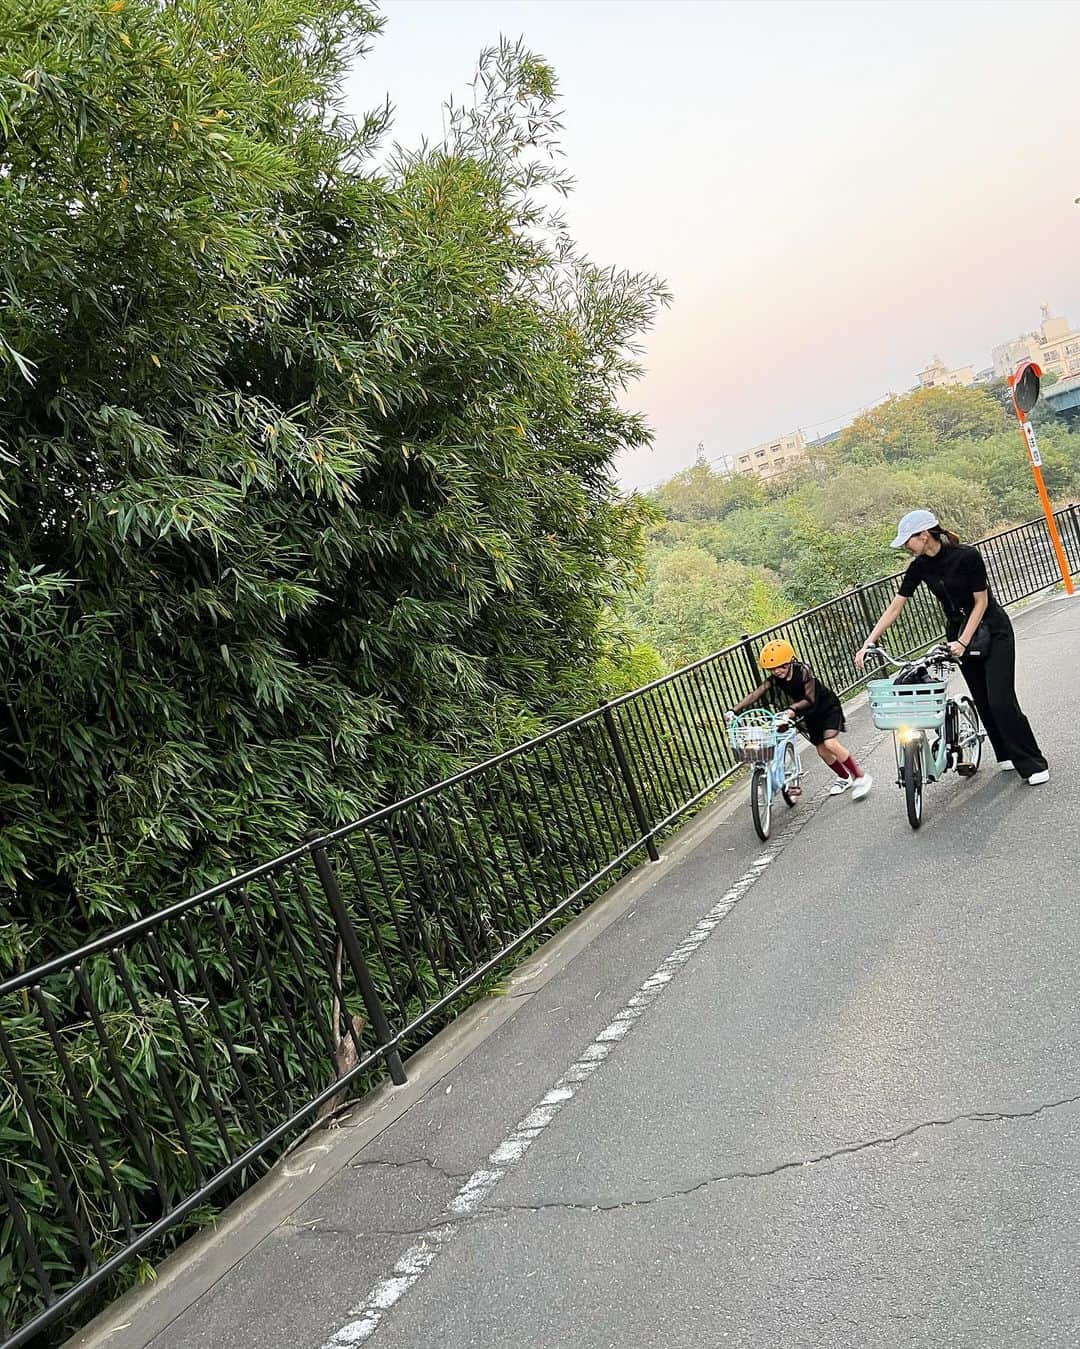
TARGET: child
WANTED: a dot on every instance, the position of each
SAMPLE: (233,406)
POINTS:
(793,685)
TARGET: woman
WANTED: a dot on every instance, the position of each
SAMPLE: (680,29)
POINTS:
(793,686)
(956,574)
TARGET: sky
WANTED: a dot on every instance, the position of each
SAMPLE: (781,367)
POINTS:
(834,192)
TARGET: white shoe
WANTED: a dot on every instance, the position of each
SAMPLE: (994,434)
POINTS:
(840,787)
(1036,778)
(862,786)
(1005,765)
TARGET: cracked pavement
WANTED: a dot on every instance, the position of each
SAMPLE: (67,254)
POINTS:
(852,1119)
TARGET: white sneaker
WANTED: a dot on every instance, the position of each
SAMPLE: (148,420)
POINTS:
(862,786)
(1005,765)
(839,787)
(1036,778)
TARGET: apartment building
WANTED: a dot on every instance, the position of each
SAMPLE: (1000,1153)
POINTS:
(1055,346)
(937,375)
(771,457)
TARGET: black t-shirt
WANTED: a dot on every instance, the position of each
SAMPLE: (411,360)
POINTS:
(954,575)
(802,690)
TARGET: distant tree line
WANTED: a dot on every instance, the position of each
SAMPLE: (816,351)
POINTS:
(732,554)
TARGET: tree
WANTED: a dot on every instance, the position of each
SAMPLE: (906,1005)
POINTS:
(701,493)
(692,605)
(914,426)
(1001,462)
(307,468)
(308,471)
(871,499)
(825,562)
(629,667)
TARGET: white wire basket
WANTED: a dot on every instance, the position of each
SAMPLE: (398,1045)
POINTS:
(753,737)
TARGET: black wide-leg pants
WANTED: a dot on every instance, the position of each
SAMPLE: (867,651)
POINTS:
(992,682)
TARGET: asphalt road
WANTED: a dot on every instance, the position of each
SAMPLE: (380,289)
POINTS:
(848,1116)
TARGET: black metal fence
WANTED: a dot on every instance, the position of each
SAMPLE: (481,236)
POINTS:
(167,1064)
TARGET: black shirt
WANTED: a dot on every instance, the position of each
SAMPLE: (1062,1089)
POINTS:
(954,575)
(802,690)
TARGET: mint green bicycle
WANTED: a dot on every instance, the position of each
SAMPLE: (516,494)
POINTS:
(768,741)
(931,731)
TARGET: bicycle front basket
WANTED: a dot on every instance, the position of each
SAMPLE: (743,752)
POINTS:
(895,705)
(754,739)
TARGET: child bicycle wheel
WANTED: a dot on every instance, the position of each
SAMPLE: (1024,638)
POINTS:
(792,788)
(761,801)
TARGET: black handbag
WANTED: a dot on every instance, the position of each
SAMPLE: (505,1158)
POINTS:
(918,674)
(979,646)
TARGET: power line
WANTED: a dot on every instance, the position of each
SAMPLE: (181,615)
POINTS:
(810,426)
(825,421)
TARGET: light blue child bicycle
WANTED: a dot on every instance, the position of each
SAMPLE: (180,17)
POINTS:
(931,731)
(768,742)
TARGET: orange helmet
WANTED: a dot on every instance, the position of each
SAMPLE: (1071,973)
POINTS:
(775,654)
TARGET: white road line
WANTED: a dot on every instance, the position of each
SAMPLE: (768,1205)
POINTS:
(365,1317)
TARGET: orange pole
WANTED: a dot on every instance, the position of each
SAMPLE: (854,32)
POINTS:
(1028,432)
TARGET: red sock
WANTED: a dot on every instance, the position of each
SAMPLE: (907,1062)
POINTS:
(853,769)
(838,769)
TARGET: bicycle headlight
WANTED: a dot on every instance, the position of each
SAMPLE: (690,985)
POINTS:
(909,734)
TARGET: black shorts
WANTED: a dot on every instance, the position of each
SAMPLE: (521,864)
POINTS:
(823,723)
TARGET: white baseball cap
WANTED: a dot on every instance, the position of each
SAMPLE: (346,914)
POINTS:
(913,523)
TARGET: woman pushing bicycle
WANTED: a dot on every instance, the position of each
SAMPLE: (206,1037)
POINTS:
(979,632)
(791,685)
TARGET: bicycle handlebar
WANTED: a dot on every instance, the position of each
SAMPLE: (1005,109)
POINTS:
(779,719)
(937,655)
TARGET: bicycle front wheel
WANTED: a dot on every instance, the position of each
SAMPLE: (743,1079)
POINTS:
(761,801)
(913,783)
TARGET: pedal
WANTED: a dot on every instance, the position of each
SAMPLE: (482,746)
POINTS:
(966,770)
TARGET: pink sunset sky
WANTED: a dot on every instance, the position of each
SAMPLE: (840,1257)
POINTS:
(834,192)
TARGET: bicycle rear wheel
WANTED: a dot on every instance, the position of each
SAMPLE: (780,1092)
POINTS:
(761,801)
(790,779)
(969,738)
(913,783)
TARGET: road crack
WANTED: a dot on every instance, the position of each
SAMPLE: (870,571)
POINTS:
(394,1165)
(724,1178)
(848,1150)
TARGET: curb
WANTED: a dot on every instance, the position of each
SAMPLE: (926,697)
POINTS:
(190,1272)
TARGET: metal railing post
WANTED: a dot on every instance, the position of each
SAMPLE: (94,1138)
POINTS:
(629,783)
(751,660)
(351,944)
(869,617)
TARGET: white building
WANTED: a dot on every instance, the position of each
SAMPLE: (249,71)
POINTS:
(1055,347)
(937,375)
(771,457)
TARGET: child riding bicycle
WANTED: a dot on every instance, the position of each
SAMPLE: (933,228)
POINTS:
(791,685)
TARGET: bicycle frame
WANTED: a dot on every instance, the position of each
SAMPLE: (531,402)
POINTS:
(932,746)
(932,732)
(916,713)
(776,768)
(752,735)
